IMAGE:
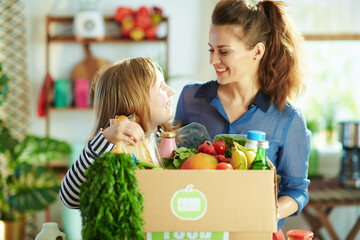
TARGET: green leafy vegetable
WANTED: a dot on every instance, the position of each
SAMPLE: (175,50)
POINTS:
(178,158)
(145,165)
(110,202)
(228,140)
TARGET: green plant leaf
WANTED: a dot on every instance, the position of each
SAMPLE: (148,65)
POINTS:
(7,142)
(3,85)
(33,188)
(40,150)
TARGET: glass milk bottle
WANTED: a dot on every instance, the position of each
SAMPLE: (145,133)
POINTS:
(50,231)
(167,144)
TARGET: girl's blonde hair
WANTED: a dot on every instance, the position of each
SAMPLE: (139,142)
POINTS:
(123,89)
(280,72)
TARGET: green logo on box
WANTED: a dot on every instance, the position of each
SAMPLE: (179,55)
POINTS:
(187,236)
(188,204)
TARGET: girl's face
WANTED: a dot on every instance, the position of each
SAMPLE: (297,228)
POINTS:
(160,102)
(230,57)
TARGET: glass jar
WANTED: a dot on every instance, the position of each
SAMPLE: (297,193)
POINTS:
(167,144)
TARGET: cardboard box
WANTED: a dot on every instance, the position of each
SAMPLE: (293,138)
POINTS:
(240,202)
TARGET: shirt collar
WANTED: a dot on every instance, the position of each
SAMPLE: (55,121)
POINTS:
(209,90)
(262,101)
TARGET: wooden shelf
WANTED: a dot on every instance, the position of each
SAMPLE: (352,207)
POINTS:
(108,39)
(67,109)
(70,19)
(332,37)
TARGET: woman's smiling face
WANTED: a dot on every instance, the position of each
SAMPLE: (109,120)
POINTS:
(160,102)
(231,58)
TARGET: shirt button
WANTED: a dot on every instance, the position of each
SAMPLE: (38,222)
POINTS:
(251,105)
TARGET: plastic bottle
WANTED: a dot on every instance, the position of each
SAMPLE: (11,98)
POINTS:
(167,144)
(260,162)
(50,231)
(252,138)
(297,234)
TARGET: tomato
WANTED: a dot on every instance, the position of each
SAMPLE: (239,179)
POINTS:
(220,147)
(224,166)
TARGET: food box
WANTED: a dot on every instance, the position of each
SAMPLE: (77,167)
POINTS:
(241,203)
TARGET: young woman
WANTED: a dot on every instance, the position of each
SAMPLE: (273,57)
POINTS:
(132,86)
(255,51)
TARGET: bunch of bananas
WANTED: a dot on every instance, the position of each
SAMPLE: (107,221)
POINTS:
(241,157)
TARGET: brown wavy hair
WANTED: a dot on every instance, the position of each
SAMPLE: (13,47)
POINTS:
(280,69)
(123,89)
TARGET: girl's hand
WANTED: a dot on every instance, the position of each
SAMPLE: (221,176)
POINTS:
(124,130)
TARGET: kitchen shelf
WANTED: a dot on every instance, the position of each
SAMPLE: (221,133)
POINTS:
(332,37)
(107,39)
(69,38)
(67,109)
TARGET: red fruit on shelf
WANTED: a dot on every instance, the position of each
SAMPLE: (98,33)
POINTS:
(150,33)
(144,10)
(158,10)
(122,12)
(143,21)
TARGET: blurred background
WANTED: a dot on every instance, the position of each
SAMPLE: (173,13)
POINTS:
(331,29)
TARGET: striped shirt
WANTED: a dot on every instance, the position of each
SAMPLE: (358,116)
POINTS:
(70,185)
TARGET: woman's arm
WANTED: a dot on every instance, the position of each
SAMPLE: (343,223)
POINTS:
(293,166)
(286,206)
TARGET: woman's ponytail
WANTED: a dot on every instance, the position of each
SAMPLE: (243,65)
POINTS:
(280,68)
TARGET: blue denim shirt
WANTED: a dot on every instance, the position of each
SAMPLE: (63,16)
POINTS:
(286,131)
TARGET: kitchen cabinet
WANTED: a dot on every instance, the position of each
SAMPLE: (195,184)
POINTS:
(68,38)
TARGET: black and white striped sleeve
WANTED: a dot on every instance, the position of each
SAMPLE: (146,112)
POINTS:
(70,185)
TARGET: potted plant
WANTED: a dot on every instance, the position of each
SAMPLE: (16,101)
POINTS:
(27,185)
